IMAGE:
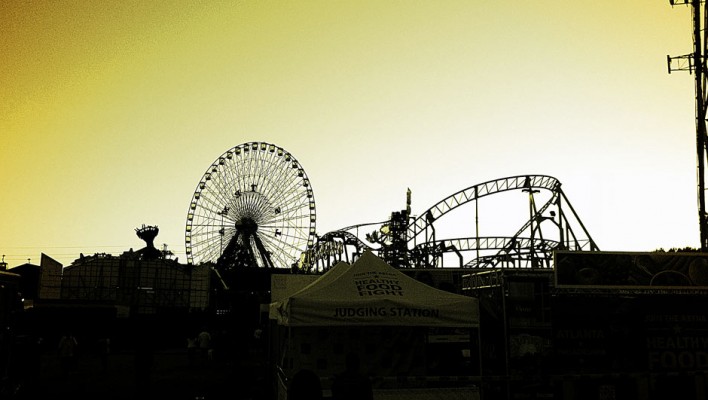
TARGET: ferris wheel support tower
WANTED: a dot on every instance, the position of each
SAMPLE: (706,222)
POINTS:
(695,63)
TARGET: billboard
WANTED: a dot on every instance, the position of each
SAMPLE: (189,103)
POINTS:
(615,334)
(631,270)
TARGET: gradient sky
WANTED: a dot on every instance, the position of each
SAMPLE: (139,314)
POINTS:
(111,111)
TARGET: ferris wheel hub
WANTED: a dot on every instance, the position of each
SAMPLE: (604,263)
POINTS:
(247,226)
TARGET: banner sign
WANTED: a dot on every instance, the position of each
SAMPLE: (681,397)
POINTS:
(596,334)
(613,270)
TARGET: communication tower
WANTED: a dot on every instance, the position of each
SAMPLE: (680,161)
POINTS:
(695,63)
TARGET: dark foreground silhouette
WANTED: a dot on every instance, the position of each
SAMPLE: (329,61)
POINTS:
(164,374)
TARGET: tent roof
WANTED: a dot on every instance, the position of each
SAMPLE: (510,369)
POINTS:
(371,292)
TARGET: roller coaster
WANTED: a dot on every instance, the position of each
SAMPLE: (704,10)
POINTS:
(542,219)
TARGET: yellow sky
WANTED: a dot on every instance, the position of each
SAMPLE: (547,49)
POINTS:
(110,112)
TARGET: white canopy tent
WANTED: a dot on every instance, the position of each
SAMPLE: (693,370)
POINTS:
(375,310)
(372,293)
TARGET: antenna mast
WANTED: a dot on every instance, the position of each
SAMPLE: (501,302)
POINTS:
(695,63)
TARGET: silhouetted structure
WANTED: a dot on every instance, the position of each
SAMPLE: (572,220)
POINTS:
(253,207)
(148,234)
(696,64)
(10,306)
(619,324)
(423,241)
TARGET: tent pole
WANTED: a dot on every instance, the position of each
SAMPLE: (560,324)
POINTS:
(479,360)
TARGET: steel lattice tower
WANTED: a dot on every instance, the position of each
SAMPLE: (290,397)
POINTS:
(695,63)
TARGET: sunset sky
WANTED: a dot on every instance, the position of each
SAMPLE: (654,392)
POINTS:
(111,111)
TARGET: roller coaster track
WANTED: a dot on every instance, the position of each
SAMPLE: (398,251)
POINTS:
(332,247)
(438,247)
(476,192)
(537,248)
(526,248)
(489,243)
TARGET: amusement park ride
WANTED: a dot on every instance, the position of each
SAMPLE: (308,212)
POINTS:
(254,207)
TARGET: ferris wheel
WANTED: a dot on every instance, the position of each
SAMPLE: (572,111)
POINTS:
(253,207)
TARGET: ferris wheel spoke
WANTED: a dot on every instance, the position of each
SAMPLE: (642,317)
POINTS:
(259,206)
(286,201)
(284,235)
(261,167)
(295,213)
(285,251)
(221,188)
(213,231)
(271,169)
(219,193)
(211,220)
(205,245)
(292,222)
(275,180)
(294,193)
(274,171)
(209,203)
(280,242)
(287,191)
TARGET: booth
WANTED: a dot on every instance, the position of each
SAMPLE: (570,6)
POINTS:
(410,337)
